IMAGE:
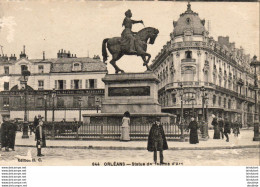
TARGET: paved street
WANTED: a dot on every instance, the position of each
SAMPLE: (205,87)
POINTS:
(60,156)
(239,151)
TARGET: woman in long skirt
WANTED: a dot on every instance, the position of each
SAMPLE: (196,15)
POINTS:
(193,126)
(125,129)
(216,128)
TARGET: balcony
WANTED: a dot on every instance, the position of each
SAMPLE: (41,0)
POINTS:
(188,60)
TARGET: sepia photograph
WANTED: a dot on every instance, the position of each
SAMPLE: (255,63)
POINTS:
(129,83)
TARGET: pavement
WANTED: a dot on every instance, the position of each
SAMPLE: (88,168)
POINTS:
(244,140)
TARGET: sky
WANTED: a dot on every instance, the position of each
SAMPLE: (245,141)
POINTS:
(80,27)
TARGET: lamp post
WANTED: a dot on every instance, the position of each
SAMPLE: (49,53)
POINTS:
(192,102)
(97,103)
(255,64)
(53,95)
(204,123)
(182,120)
(80,103)
(25,75)
(45,106)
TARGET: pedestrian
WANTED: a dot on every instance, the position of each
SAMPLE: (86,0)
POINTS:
(40,137)
(12,133)
(216,127)
(157,140)
(236,130)
(193,126)
(221,126)
(125,129)
(35,121)
(4,133)
(227,129)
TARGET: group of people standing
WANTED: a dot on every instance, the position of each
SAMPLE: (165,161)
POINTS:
(223,128)
(8,133)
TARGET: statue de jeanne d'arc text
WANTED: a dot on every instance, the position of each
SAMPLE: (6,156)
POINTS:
(130,43)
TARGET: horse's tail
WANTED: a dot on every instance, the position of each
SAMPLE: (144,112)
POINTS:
(104,50)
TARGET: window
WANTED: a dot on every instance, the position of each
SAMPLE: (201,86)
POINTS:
(91,101)
(225,102)
(214,99)
(76,66)
(173,99)
(6,86)
(188,54)
(40,69)
(76,102)
(91,83)
(6,68)
(220,81)
(76,84)
(40,84)
(5,101)
(60,102)
(39,102)
(229,103)
(23,68)
(187,98)
(214,79)
(188,74)
(206,76)
(60,84)
(219,101)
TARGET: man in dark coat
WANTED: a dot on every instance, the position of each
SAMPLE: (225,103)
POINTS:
(157,140)
(227,129)
(12,133)
(221,126)
(40,137)
(5,134)
(193,126)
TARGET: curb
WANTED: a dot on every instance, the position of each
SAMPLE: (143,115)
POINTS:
(144,148)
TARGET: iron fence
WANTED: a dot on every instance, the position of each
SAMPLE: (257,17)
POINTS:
(72,130)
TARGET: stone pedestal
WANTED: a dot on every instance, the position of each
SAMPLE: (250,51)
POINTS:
(133,92)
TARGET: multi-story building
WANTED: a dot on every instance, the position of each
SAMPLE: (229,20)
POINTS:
(194,59)
(71,77)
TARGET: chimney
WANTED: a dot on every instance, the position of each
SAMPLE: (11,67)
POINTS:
(75,56)
(72,55)
(43,55)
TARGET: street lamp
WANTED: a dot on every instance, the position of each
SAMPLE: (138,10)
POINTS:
(204,123)
(25,75)
(45,106)
(182,120)
(53,95)
(97,103)
(255,64)
(80,103)
(192,99)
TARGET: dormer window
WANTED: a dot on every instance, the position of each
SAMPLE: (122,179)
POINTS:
(23,68)
(188,54)
(76,66)
(188,21)
(40,69)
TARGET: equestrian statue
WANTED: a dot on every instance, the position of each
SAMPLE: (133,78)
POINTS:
(130,43)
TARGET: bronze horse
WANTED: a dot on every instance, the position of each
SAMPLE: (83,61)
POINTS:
(118,49)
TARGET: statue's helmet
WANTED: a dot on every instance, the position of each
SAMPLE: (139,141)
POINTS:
(128,12)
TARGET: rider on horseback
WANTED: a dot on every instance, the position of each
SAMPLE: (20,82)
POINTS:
(127,34)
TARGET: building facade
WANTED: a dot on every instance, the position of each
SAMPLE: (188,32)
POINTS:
(77,83)
(196,61)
